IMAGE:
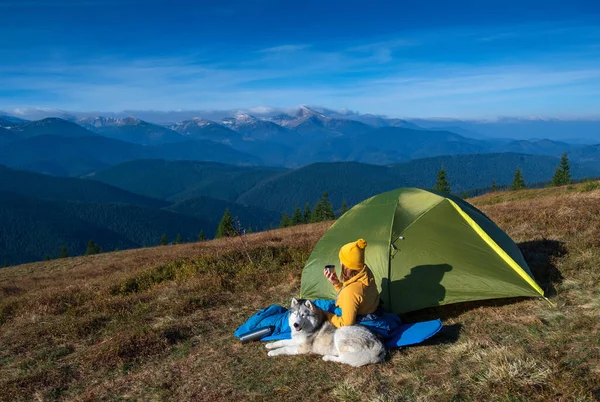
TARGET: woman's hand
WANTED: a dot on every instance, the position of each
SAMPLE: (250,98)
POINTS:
(331,277)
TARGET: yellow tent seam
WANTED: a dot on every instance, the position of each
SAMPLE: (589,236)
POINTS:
(507,258)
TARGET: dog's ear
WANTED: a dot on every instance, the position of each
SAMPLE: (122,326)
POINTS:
(309,304)
(294,302)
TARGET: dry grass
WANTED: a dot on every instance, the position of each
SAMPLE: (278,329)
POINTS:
(509,196)
(157,323)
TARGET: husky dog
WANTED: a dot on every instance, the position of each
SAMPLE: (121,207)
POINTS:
(312,333)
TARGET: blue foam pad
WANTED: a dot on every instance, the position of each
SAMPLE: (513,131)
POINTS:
(411,334)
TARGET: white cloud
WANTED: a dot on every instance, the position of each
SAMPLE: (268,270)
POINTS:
(285,48)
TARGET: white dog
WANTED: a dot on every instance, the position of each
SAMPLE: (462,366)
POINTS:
(312,333)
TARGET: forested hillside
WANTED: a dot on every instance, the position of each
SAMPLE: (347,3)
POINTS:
(179,180)
(68,189)
(33,229)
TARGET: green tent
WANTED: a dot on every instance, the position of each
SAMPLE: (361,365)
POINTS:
(425,249)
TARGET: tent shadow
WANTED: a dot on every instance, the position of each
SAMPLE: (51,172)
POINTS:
(540,256)
(426,278)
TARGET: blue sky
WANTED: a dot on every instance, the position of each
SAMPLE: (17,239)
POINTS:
(464,59)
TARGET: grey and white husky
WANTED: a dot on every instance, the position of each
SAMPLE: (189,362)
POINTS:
(312,333)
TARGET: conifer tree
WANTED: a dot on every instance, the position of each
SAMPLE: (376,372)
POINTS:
(47,258)
(562,176)
(323,209)
(249,229)
(225,228)
(63,252)
(442,184)
(92,248)
(297,217)
(518,180)
(163,240)
(201,236)
(494,186)
(285,221)
(307,213)
(327,207)
(317,213)
(178,239)
(344,207)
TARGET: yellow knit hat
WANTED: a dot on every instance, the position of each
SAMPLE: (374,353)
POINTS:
(352,255)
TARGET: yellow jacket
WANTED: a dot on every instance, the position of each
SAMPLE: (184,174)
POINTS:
(356,296)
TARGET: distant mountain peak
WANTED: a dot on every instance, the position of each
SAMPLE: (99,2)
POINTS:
(130,121)
(198,121)
(244,117)
(307,112)
(304,114)
(52,126)
(240,120)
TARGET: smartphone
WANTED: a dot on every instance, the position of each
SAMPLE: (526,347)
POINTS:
(330,268)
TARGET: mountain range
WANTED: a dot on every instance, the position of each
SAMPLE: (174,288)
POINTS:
(281,140)
(584,130)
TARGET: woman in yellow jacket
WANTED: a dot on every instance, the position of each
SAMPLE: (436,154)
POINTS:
(358,294)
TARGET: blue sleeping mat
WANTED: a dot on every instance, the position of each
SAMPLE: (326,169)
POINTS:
(394,332)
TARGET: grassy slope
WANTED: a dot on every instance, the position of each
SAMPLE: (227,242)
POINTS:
(157,323)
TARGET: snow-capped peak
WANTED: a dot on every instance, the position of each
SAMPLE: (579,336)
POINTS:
(196,121)
(303,114)
(243,117)
(239,119)
(100,121)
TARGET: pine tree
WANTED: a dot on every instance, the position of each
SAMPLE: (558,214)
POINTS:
(225,228)
(494,186)
(464,195)
(327,207)
(163,240)
(285,221)
(307,213)
(92,248)
(47,258)
(442,184)
(178,239)
(249,229)
(518,180)
(63,252)
(297,218)
(323,209)
(317,213)
(562,176)
(344,208)
(201,236)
